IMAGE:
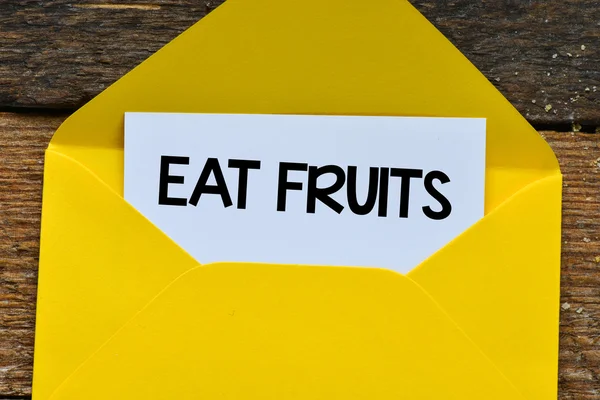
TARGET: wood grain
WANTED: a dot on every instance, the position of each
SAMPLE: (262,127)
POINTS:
(23,138)
(60,53)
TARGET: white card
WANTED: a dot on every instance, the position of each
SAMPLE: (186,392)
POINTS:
(381,192)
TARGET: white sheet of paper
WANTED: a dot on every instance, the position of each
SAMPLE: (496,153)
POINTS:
(438,164)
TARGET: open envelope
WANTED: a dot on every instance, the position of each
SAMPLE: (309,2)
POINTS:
(123,312)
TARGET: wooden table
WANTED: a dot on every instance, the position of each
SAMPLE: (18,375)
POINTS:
(55,55)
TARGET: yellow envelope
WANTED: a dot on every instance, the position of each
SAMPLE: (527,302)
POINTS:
(123,312)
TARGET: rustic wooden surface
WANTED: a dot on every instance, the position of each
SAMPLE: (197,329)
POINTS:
(60,53)
(57,54)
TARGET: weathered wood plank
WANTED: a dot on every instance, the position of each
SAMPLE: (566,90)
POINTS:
(23,138)
(579,155)
(60,53)
(539,53)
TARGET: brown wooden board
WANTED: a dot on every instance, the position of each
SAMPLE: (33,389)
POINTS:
(23,138)
(544,55)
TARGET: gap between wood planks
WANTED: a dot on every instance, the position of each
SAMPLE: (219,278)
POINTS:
(16,398)
(556,127)
(145,7)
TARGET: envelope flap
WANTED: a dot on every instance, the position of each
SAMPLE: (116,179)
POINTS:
(100,263)
(240,331)
(500,282)
(340,57)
